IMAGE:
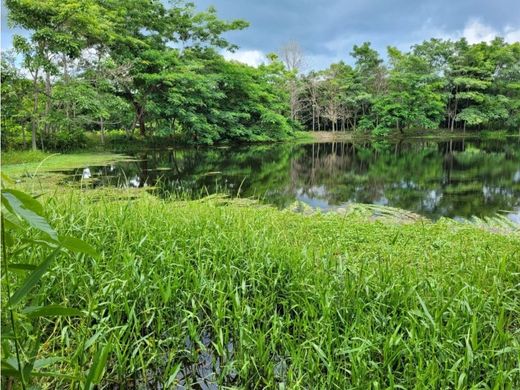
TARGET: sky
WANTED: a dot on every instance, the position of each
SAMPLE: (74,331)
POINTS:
(327,29)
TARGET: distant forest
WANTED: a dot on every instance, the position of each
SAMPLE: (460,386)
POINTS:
(139,68)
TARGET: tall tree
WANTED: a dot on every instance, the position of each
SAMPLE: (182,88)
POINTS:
(144,35)
(414,97)
(292,56)
(65,27)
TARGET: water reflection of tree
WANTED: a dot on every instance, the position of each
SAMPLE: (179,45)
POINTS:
(260,171)
(433,178)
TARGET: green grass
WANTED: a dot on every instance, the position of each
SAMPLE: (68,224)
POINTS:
(278,299)
(496,134)
(18,163)
(23,156)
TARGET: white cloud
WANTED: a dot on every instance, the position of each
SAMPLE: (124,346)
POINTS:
(249,57)
(475,31)
(511,34)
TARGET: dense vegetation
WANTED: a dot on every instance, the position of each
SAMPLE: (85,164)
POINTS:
(115,288)
(121,66)
(436,84)
(247,296)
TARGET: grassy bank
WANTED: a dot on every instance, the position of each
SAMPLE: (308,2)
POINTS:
(248,296)
(17,163)
(434,134)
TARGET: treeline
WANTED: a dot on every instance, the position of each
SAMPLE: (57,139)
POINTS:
(141,68)
(437,84)
(135,66)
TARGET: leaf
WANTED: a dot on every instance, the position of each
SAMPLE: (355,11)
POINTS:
(96,371)
(6,178)
(425,309)
(10,367)
(10,221)
(43,242)
(25,210)
(22,267)
(51,311)
(32,279)
(76,245)
(28,201)
(40,363)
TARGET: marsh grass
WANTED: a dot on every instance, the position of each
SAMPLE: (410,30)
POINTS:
(248,296)
(29,163)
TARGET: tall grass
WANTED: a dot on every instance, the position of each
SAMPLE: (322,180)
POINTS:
(243,295)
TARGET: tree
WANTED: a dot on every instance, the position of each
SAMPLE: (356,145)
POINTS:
(371,76)
(414,97)
(58,27)
(144,33)
(291,54)
(16,101)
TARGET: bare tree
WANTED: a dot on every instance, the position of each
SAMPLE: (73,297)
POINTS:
(312,93)
(292,56)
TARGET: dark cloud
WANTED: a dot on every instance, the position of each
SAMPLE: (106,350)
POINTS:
(328,29)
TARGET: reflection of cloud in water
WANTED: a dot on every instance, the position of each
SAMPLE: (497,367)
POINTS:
(313,191)
(382,201)
(407,185)
(134,182)
(86,174)
(489,192)
(516,177)
(432,200)
(515,215)
(313,202)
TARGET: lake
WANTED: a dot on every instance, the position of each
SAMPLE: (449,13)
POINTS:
(452,178)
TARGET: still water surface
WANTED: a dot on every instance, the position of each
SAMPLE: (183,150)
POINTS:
(457,178)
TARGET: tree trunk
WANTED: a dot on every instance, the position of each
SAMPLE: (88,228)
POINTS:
(142,128)
(66,81)
(454,114)
(35,111)
(139,111)
(313,117)
(48,92)
(102,128)
(24,142)
(41,141)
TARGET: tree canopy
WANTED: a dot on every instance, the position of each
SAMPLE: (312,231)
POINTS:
(145,69)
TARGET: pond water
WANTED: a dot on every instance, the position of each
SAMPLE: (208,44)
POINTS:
(454,178)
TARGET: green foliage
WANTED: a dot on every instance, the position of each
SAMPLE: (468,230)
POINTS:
(324,299)
(25,230)
(105,60)
(438,83)
(64,140)
(146,65)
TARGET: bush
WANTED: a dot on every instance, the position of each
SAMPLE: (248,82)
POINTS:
(63,140)
(381,131)
(22,156)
